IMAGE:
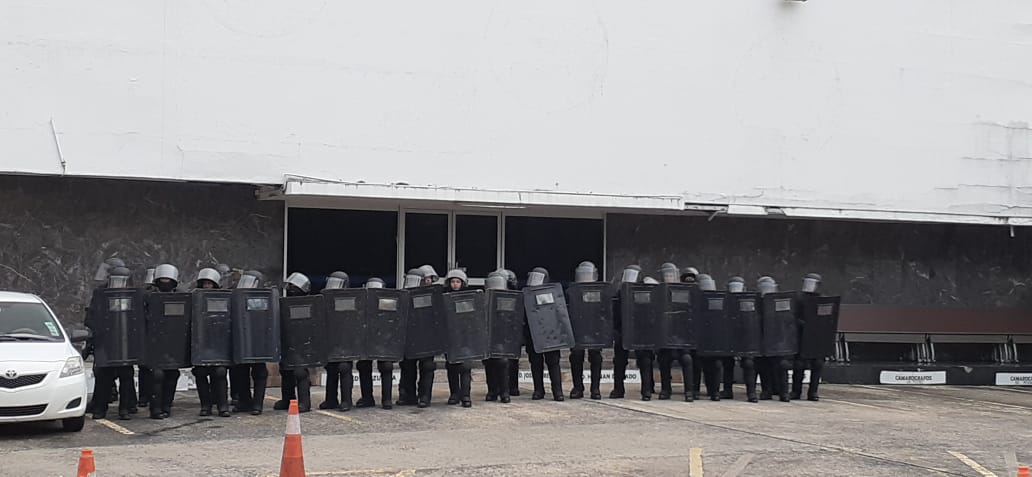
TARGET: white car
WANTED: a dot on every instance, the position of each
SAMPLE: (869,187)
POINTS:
(41,373)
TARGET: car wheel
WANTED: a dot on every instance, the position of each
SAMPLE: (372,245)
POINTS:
(73,424)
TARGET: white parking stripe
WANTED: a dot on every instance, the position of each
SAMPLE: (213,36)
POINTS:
(695,462)
(974,465)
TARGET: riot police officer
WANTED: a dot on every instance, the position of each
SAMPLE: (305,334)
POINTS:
(415,385)
(773,370)
(166,279)
(338,374)
(585,272)
(514,364)
(105,376)
(746,361)
(666,356)
(211,380)
(365,372)
(459,374)
(811,283)
(538,361)
(242,375)
(146,384)
(295,383)
(496,370)
(630,274)
(430,276)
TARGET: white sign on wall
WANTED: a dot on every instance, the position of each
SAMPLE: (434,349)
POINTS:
(912,377)
(1014,379)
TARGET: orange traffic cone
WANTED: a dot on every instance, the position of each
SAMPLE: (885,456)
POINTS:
(1023,471)
(293,463)
(86,466)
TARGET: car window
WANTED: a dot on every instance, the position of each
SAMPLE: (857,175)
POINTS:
(29,321)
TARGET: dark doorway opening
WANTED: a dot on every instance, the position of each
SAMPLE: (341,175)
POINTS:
(476,244)
(361,243)
(426,241)
(557,244)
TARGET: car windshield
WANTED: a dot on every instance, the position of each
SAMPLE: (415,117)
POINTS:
(28,322)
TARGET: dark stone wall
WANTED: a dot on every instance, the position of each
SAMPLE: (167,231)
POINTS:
(55,231)
(964,266)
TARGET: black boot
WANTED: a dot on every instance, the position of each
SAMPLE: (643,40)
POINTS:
(465,382)
(816,371)
(492,377)
(288,390)
(749,375)
(454,386)
(555,376)
(665,358)
(332,383)
(537,374)
(365,384)
(261,380)
(577,374)
(386,383)
(514,377)
(427,366)
(595,361)
(619,372)
(304,390)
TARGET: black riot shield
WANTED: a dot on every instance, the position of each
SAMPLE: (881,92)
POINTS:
(118,322)
(780,329)
(505,315)
(468,330)
(640,316)
(425,333)
(211,329)
(548,318)
(256,325)
(168,330)
(303,332)
(676,304)
(746,328)
(345,323)
(385,314)
(591,314)
(819,322)
(714,331)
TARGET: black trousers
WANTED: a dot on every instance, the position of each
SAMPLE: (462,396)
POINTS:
(212,387)
(146,386)
(577,370)
(460,379)
(496,371)
(242,375)
(104,380)
(538,361)
(164,385)
(816,367)
(365,380)
(774,375)
(645,360)
(666,358)
(338,375)
(295,384)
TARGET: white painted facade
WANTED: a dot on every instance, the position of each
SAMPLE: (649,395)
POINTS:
(869,109)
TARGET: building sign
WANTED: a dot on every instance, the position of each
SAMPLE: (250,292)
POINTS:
(912,377)
(1014,379)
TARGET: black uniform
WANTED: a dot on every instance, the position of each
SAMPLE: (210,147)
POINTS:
(242,375)
(338,376)
(294,383)
(365,382)
(104,390)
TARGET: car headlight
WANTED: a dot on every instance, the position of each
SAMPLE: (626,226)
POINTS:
(72,367)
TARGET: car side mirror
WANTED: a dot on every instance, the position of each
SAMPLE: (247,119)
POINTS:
(79,335)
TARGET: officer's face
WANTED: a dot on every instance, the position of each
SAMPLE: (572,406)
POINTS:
(427,281)
(455,283)
(207,284)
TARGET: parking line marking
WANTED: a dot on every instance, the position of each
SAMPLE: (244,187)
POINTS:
(974,465)
(956,398)
(695,462)
(114,427)
(392,473)
(738,466)
(337,416)
(869,406)
(1011,458)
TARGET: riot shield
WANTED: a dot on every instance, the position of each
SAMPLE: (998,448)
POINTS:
(168,330)
(780,329)
(469,335)
(425,335)
(548,318)
(591,314)
(211,329)
(385,317)
(303,331)
(819,322)
(714,331)
(746,329)
(677,303)
(640,316)
(505,315)
(345,323)
(256,325)
(118,318)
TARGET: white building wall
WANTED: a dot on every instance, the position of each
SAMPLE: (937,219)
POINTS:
(920,105)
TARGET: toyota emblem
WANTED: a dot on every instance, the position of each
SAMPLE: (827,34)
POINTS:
(10,374)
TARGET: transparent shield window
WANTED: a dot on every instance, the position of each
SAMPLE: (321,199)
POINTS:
(426,241)
(28,321)
(476,244)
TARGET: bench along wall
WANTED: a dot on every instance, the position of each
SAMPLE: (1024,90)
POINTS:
(55,231)
(962,266)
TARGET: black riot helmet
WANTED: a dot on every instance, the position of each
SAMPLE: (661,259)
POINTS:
(118,277)
(669,273)
(297,284)
(689,274)
(736,285)
(496,281)
(630,274)
(510,276)
(337,280)
(766,284)
(586,272)
(375,282)
(413,278)
(453,276)
(811,282)
(537,276)
(166,277)
(250,279)
(706,282)
(429,274)
(105,268)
